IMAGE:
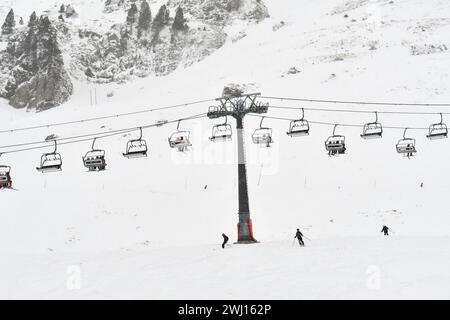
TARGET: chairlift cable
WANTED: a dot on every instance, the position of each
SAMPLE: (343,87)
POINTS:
(89,137)
(358,111)
(378,103)
(105,117)
(340,124)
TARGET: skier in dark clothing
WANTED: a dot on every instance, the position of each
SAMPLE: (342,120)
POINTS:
(385,230)
(299,236)
(225,240)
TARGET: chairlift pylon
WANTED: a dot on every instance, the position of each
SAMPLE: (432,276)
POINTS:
(438,130)
(262,135)
(406,146)
(300,127)
(5,176)
(180,139)
(50,162)
(372,130)
(136,148)
(335,144)
(94,159)
(222,132)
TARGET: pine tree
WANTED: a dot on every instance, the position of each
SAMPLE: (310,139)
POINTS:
(32,20)
(62,9)
(9,24)
(131,16)
(179,23)
(145,18)
(161,18)
(21,21)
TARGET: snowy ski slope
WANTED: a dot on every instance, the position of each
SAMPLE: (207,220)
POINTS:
(147,228)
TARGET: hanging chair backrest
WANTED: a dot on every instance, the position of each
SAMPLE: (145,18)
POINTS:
(336,139)
(222,129)
(406,142)
(5,169)
(299,125)
(438,127)
(50,159)
(138,144)
(373,126)
(179,135)
(94,154)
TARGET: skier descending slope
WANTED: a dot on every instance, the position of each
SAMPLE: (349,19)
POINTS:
(299,236)
(385,230)
(225,240)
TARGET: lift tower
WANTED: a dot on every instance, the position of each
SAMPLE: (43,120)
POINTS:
(238,107)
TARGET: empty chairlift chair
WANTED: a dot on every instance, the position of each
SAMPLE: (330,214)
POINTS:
(406,146)
(262,135)
(50,162)
(372,130)
(298,128)
(221,132)
(180,139)
(335,144)
(94,160)
(438,130)
(136,148)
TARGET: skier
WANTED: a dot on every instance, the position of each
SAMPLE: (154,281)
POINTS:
(225,240)
(299,236)
(385,230)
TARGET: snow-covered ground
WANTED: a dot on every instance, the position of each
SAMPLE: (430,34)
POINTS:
(148,228)
(337,268)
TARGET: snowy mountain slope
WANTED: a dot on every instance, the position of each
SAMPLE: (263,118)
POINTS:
(138,206)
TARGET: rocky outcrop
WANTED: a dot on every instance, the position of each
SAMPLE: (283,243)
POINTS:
(37,77)
(234,90)
(145,46)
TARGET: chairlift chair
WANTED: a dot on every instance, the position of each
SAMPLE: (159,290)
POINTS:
(180,139)
(94,160)
(372,130)
(406,146)
(299,128)
(221,132)
(5,177)
(437,130)
(335,144)
(50,162)
(136,148)
(262,135)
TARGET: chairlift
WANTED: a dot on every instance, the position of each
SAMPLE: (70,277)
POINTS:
(372,130)
(335,144)
(136,148)
(180,139)
(406,146)
(437,130)
(222,132)
(262,135)
(298,128)
(94,160)
(50,162)
(5,177)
